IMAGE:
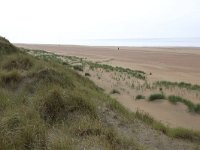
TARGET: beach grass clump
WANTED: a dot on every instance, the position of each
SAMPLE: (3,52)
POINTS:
(52,106)
(197,108)
(57,105)
(174,99)
(191,106)
(18,62)
(22,128)
(182,133)
(87,74)
(78,68)
(49,75)
(115,91)
(179,133)
(169,84)
(10,79)
(134,73)
(156,96)
(138,97)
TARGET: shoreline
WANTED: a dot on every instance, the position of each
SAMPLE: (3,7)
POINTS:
(124,46)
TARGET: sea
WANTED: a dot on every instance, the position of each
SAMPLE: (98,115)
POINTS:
(150,42)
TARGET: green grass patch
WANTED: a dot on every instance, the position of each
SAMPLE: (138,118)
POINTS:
(18,62)
(157,96)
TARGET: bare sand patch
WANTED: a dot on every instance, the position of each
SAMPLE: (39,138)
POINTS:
(162,110)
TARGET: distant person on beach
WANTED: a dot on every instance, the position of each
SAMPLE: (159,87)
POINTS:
(118,48)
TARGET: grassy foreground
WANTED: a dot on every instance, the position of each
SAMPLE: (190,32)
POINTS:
(47,105)
(44,105)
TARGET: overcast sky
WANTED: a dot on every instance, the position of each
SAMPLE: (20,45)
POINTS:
(58,21)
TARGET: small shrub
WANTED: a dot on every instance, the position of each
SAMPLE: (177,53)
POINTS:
(197,108)
(65,63)
(140,97)
(87,74)
(53,105)
(114,91)
(174,99)
(78,67)
(185,134)
(158,96)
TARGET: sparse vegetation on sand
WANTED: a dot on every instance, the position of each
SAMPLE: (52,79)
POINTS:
(169,84)
(191,106)
(134,73)
(53,107)
(172,132)
(70,60)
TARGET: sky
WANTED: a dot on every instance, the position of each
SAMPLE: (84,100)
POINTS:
(59,21)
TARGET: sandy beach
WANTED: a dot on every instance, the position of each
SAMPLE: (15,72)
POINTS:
(173,64)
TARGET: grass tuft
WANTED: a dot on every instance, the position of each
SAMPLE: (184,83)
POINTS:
(191,106)
(140,97)
(78,68)
(114,91)
(10,79)
(157,96)
(52,105)
(87,74)
(19,62)
(48,75)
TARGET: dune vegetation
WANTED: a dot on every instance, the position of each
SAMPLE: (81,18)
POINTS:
(45,104)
